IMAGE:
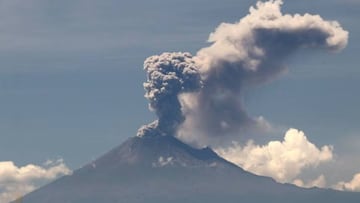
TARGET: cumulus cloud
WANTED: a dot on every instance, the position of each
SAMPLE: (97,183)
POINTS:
(16,181)
(281,160)
(319,182)
(352,185)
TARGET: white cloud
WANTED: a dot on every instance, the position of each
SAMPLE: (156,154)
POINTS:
(352,185)
(281,160)
(16,181)
(319,182)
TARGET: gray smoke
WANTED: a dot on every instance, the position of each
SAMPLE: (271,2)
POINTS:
(168,75)
(247,53)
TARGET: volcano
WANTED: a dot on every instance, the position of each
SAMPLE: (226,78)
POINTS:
(162,169)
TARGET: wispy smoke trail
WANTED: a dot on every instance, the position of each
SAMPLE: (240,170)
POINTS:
(241,55)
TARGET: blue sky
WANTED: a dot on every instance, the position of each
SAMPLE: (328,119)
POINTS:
(71,75)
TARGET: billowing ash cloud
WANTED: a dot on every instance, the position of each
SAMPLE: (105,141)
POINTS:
(247,53)
(168,75)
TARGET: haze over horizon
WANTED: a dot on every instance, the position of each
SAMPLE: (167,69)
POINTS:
(78,83)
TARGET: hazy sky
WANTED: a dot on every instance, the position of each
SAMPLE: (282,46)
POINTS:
(71,75)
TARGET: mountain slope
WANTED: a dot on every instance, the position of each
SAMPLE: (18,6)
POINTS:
(162,169)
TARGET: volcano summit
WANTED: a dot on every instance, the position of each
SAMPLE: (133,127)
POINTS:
(162,169)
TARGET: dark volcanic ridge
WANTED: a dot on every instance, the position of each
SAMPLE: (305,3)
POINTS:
(162,169)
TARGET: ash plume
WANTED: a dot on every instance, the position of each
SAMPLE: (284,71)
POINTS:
(168,75)
(244,54)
